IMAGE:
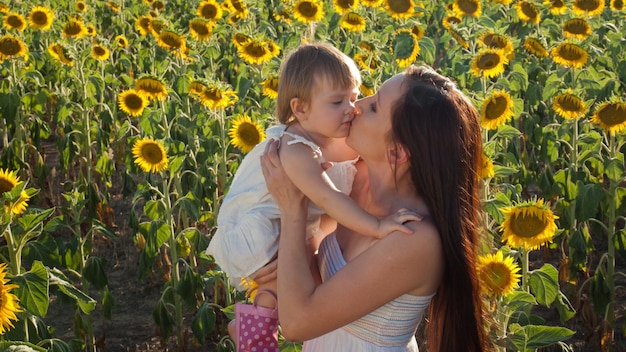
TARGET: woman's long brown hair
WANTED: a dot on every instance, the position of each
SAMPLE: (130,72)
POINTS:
(438,125)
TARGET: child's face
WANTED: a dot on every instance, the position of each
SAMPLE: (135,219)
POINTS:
(331,109)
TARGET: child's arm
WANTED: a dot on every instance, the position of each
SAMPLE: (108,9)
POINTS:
(304,169)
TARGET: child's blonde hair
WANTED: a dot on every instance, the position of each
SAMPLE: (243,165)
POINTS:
(300,68)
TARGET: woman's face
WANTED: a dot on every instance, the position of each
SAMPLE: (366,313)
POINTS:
(371,126)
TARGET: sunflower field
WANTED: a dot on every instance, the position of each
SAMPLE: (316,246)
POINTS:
(157,101)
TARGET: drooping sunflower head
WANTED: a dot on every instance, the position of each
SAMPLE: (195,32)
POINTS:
(196,87)
(151,87)
(150,155)
(99,52)
(418,31)
(9,303)
(471,8)
(352,22)
(528,225)
(400,9)
(210,10)
(496,110)
(200,29)
(576,28)
(11,47)
(611,116)
(557,7)
(156,26)
(458,38)
(132,102)
(404,47)
(366,89)
(366,61)
(588,8)
(451,20)
(245,134)
(158,5)
(570,55)
(4,8)
(74,29)
(308,11)
(14,21)
(497,41)
(170,40)
(60,53)
(270,87)
(143,24)
(215,98)
(569,106)
(41,18)
(489,63)
(528,12)
(121,41)
(486,167)
(255,52)
(534,47)
(8,181)
(115,7)
(343,6)
(498,275)
(238,7)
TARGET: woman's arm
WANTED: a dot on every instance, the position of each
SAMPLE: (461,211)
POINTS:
(395,265)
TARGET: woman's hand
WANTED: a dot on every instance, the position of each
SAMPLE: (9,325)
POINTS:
(286,195)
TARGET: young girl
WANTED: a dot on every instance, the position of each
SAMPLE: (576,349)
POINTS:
(317,88)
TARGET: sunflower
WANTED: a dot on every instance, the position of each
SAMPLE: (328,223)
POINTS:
(450,20)
(458,37)
(497,41)
(617,5)
(534,47)
(14,21)
(576,28)
(200,29)
(255,52)
(588,7)
(150,155)
(245,134)
(344,6)
(74,29)
(170,40)
(557,7)
(156,26)
(308,11)
(132,102)
(470,8)
(196,87)
(496,110)
(270,87)
(527,12)
(504,2)
(121,41)
(9,304)
(529,225)
(215,98)
(352,22)
(368,47)
(59,52)
(11,47)
(400,9)
(210,10)
(486,167)
(404,47)
(611,116)
(570,55)
(489,63)
(238,7)
(366,90)
(498,275)
(569,106)
(158,5)
(113,6)
(240,40)
(99,52)
(250,286)
(41,18)
(143,24)
(151,87)
(4,8)
(366,62)
(80,6)
(372,3)
(8,181)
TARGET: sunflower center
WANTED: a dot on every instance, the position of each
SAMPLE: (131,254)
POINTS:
(576,26)
(151,87)
(353,19)
(99,51)
(468,7)
(73,28)
(527,225)
(587,5)
(10,47)
(497,277)
(488,61)
(39,18)
(248,134)
(213,94)
(345,4)
(496,108)
(529,10)
(569,103)
(171,40)
(200,28)
(255,50)
(613,115)
(495,41)
(399,6)
(15,21)
(570,52)
(238,6)
(152,153)
(307,9)
(208,11)
(133,101)
(618,5)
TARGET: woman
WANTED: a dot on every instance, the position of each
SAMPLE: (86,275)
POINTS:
(374,292)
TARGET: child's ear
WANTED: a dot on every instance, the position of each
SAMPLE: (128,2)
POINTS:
(298,108)
(397,154)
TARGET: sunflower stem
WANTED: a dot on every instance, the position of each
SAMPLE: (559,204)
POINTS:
(15,262)
(169,218)
(525,264)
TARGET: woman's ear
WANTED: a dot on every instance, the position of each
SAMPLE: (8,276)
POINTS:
(397,154)
(298,108)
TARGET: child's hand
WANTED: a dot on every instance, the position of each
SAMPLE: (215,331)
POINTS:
(394,222)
